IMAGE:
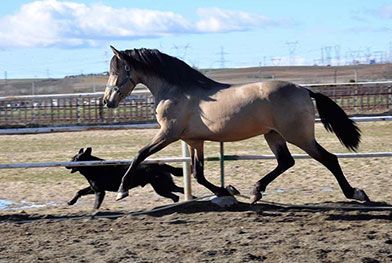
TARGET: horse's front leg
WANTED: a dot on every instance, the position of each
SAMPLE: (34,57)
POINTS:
(198,169)
(160,141)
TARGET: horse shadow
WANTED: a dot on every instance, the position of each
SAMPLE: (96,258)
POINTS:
(333,211)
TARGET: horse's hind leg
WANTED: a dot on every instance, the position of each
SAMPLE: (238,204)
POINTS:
(330,161)
(197,157)
(278,146)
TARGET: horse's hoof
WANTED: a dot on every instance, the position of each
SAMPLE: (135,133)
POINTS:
(360,195)
(256,197)
(71,202)
(94,214)
(121,195)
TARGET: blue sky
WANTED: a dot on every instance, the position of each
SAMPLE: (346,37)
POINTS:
(56,38)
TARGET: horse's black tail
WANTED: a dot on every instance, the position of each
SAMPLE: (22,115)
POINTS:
(336,120)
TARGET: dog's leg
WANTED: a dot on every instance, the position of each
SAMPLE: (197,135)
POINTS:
(85,191)
(178,189)
(99,196)
(170,195)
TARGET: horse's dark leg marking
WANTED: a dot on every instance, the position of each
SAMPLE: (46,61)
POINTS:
(192,156)
(99,196)
(279,147)
(159,142)
(198,172)
(330,161)
(85,191)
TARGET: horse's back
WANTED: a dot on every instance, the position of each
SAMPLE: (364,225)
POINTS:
(244,111)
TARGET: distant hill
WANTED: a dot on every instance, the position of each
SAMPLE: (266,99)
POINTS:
(297,74)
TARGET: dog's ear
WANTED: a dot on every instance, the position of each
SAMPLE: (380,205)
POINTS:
(88,150)
(81,150)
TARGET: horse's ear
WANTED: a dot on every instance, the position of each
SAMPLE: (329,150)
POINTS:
(88,151)
(117,53)
(81,150)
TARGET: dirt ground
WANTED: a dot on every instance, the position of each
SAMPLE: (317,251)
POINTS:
(199,231)
(202,232)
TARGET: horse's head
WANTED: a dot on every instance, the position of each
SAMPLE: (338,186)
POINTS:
(82,155)
(120,82)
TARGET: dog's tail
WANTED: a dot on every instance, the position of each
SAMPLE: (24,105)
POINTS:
(173,170)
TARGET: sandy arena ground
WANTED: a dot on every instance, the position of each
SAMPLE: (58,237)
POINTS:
(196,232)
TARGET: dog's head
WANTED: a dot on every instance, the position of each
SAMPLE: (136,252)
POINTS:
(83,155)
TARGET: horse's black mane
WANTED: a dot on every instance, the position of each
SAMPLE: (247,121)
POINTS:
(171,69)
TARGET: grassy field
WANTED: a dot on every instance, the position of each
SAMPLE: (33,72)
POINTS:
(308,181)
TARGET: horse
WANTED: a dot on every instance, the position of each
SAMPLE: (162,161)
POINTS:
(194,108)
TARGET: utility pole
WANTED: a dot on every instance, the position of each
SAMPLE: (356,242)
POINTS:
(264,61)
(322,56)
(222,59)
(367,55)
(390,52)
(181,51)
(292,45)
(5,77)
(276,61)
(327,54)
(337,54)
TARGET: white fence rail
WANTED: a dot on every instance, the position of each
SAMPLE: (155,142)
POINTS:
(180,159)
(185,159)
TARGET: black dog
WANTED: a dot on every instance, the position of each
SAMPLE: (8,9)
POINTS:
(108,178)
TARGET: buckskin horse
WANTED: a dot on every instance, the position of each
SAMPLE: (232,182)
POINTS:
(195,108)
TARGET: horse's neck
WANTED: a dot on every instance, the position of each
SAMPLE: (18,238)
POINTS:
(158,87)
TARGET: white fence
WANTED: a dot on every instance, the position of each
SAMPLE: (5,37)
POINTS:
(185,159)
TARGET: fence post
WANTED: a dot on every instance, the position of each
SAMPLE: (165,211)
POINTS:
(222,164)
(187,172)
(100,110)
(390,98)
(78,110)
